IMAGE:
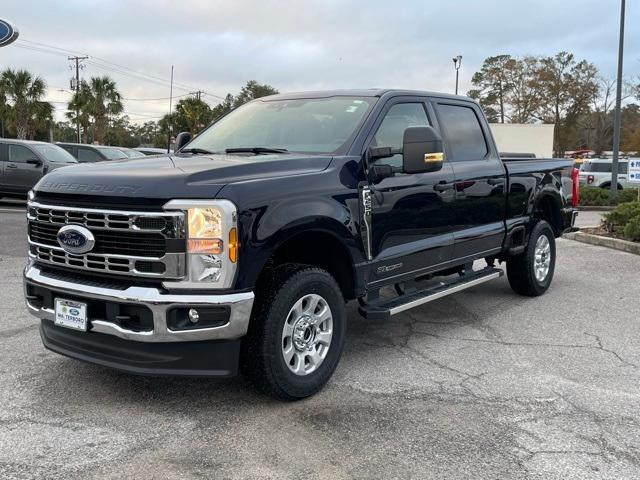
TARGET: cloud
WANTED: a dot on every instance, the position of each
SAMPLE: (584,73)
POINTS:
(216,46)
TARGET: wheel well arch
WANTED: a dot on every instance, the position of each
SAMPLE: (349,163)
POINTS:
(548,208)
(607,185)
(319,248)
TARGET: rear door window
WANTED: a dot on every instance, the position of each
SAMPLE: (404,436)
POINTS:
(463,132)
(88,155)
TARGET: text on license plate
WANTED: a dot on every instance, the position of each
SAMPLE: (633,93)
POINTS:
(71,314)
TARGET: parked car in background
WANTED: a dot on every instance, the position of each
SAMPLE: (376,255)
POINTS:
(92,153)
(131,153)
(151,150)
(596,172)
(23,163)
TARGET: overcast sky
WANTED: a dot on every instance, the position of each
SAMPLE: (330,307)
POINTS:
(216,46)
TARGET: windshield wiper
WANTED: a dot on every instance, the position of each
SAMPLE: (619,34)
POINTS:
(256,150)
(195,150)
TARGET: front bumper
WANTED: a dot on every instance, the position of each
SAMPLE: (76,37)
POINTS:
(156,301)
(158,350)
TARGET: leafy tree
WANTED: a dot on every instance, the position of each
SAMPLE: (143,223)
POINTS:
(491,86)
(250,91)
(64,132)
(630,128)
(522,96)
(193,115)
(565,89)
(196,114)
(23,104)
(224,107)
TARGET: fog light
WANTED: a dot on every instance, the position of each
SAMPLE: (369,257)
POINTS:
(194,316)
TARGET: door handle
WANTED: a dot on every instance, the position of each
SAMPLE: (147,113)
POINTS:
(443,187)
(495,181)
(11,165)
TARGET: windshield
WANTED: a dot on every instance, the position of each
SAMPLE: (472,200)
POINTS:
(318,125)
(112,153)
(54,153)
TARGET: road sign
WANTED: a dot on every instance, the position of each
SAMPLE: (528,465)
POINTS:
(8,33)
(634,171)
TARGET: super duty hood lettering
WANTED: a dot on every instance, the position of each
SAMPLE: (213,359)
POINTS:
(90,188)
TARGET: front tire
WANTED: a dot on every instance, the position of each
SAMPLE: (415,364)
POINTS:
(296,334)
(530,273)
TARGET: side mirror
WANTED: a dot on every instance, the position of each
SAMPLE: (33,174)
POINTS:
(421,150)
(181,140)
(34,162)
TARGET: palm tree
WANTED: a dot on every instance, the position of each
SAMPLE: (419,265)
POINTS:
(99,100)
(23,94)
(78,110)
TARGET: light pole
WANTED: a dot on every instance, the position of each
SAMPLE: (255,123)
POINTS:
(457,62)
(616,117)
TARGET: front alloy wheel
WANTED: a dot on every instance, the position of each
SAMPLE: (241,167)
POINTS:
(307,333)
(296,333)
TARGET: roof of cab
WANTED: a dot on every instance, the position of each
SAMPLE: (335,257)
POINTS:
(372,92)
(27,142)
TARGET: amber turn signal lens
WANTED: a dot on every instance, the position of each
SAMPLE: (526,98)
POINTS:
(233,245)
(204,245)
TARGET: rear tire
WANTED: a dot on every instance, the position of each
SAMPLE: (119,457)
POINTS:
(530,273)
(296,334)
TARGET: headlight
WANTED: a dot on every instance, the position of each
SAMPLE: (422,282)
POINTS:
(212,243)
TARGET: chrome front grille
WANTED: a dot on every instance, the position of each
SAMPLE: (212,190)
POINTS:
(146,244)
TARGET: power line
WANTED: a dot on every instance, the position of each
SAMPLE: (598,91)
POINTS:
(153,99)
(108,65)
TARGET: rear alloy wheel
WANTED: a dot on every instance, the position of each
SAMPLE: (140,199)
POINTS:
(530,273)
(296,333)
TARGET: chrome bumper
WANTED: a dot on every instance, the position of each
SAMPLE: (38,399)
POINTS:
(240,305)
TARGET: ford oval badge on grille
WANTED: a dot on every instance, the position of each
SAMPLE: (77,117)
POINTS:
(76,239)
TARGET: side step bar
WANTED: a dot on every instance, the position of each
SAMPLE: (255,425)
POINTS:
(383,309)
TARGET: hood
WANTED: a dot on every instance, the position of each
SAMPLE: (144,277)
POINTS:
(175,176)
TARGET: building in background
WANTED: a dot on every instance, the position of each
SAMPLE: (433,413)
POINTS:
(524,138)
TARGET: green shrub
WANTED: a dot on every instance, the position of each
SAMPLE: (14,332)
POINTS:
(632,229)
(625,219)
(627,195)
(623,214)
(599,197)
(594,196)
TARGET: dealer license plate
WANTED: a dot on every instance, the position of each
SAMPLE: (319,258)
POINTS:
(71,314)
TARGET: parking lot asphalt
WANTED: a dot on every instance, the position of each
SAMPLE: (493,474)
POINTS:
(483,384)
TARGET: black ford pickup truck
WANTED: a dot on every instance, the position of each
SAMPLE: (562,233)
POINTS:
(240,250)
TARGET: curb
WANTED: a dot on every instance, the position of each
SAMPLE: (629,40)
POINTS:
(614,243)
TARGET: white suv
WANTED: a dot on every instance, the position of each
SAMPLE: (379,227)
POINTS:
(596,172)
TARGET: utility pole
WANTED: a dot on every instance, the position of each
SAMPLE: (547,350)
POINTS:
(78,66)
(170,104)
(197,94)
(616,118)
(457,63)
